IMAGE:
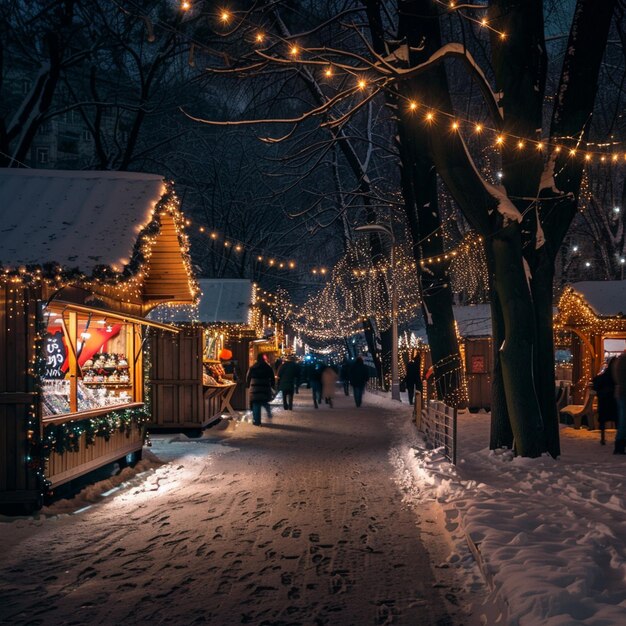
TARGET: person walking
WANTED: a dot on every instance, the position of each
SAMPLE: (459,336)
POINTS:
(359,375)
(329,384)
(619,377)
(298,375)
(315,381)
(344,375)
(260,380)
(287,379)
(413,377)
(604,386)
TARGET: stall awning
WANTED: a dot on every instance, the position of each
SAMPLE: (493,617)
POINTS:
(115,315)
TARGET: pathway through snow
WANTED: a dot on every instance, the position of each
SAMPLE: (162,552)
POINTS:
(296,522)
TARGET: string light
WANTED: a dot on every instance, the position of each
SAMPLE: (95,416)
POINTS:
(576,315)
(501,136)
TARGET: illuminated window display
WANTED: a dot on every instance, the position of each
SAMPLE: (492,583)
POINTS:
(88,362)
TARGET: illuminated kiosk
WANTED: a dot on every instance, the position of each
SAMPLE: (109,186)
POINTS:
(190,391)
(473,327)
(84,256)
(591,319)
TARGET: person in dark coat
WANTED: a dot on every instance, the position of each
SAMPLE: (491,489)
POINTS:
(287,380)
(413,377)
(260,381)
(315,381)
(298,375)
(619,377)
(344,376)
(604,386)
(359,375)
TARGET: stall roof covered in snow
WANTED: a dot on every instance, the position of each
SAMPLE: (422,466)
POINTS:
(78,219)
(607,298)
(226,300)
(473,320)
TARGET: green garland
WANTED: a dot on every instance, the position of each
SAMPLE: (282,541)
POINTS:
(66,437)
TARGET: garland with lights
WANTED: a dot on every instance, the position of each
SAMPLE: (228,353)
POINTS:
(107,279)
(66,437)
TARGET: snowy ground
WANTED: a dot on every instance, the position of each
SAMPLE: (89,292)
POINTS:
(330,517)
(298,522)
(551,534)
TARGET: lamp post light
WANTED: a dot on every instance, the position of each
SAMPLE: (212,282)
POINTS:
(386,230)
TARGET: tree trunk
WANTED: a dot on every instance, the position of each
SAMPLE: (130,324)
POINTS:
(541,284)
(501,435)
(420,193)
(516,353)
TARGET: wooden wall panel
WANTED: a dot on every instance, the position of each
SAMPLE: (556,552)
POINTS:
(64,467)
(18,319)
(478,383)
(176,379)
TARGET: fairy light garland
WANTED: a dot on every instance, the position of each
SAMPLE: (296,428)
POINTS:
(574,312)
(569,147)
(258,255)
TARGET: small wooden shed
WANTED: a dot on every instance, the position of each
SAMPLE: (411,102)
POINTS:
(474,328)
(84,256)
(592,316)
(474,331)
(190,390)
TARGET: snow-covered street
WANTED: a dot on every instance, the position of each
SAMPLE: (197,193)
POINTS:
(297,522)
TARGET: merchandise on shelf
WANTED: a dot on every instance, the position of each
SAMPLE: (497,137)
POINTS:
(106,368)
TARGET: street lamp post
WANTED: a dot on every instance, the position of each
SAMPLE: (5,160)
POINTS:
(385,230)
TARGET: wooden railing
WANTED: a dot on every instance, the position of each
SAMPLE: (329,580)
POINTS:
(437,421)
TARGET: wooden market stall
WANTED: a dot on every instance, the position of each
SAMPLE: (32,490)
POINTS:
(474,331)
(591,319)
(199,375)
(84,257)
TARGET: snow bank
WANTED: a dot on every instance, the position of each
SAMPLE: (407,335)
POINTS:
(550,535)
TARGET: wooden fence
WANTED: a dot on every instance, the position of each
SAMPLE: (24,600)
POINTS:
(437,422)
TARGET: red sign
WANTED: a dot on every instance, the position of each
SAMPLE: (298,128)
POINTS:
(478,364)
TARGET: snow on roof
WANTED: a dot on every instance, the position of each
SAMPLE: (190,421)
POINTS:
(226,300)
(473,320)
(223,300)
(607,298)
(78,219)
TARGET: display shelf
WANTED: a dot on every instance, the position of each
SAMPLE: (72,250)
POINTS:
(106,384)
